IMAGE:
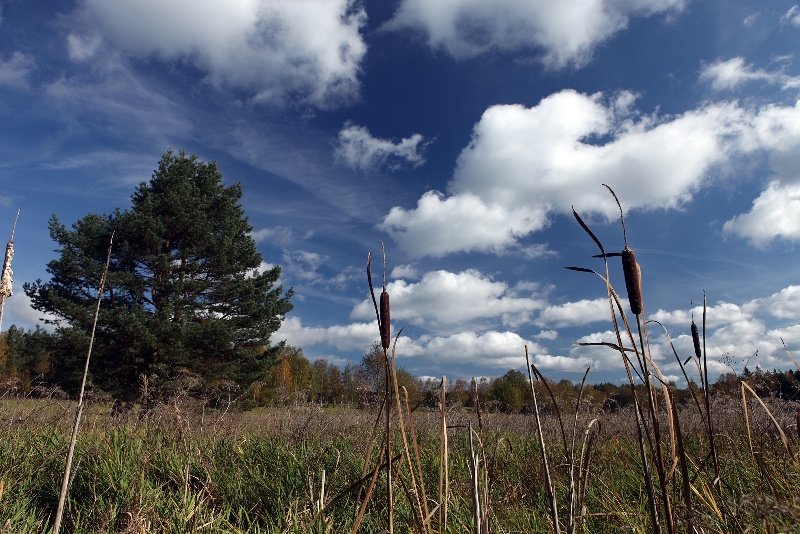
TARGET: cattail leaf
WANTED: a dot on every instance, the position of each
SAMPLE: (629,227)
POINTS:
(586,228)
(579,269)
(371,288)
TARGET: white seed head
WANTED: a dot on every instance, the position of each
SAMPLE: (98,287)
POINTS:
(5,281)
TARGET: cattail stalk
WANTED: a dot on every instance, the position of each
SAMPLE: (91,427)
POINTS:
(6,289)
(551,495)
(79,411)
(444,481)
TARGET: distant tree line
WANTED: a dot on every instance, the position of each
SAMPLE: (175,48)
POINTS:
(37,358)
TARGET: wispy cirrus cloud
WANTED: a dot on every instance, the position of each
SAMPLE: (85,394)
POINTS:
(279,235)
(792,16)
(358,149)
(310,268)
(14,70)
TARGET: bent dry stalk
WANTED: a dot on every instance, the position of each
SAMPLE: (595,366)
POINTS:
(79,410)
(632,273)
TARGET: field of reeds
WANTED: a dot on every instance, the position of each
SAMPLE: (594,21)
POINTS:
(180,468)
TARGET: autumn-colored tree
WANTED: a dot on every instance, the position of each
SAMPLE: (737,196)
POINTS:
(291,378)
(328,385)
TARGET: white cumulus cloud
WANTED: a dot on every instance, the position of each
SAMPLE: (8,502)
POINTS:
(775,214)
(500,350)
(524,164)
(276,50)
(784,304)
(354,336)
(566,31)
(358,149)
(721,314)
(444,302)
(734,72)
(495,349)
(575,313)
(443,225)
(405,271)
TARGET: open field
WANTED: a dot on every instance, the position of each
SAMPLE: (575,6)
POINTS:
(179,468)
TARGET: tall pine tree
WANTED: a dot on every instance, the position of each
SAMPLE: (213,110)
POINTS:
(184,295)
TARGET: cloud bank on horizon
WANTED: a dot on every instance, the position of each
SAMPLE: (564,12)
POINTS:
(290,91)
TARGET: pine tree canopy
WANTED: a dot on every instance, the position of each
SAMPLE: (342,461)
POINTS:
(185,294)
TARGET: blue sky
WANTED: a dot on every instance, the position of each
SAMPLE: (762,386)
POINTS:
(459,132)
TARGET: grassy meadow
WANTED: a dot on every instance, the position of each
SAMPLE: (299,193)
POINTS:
(182,468)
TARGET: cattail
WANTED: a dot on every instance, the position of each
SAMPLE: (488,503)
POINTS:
(385,326)
(696,340)
(632,280)
(385,322)
(5,281)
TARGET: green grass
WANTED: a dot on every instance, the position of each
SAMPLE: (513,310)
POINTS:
(256,471)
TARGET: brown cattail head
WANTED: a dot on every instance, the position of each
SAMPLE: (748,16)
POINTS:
(632,280)
(696,340)
(386,333)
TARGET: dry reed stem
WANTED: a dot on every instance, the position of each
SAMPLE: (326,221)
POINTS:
(784,439)
(444,482)
(476,502)
(65,482)
(571,494)
(612,299)
(551,495)
(790,355)
(387,389)
(420,473)
(687,494)
(369,492)
(418,510)
(370,446)
(681,364)
(633,284)
(585,463)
